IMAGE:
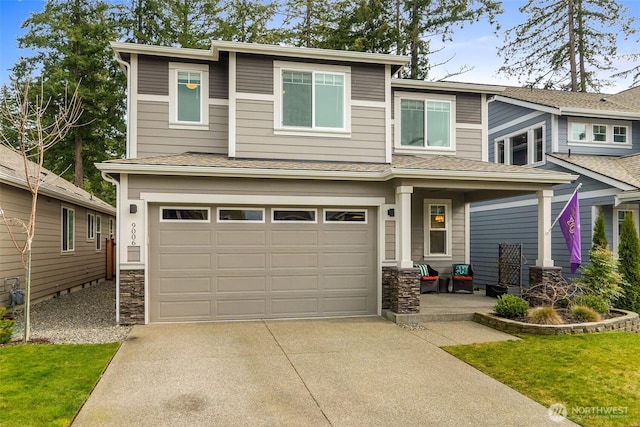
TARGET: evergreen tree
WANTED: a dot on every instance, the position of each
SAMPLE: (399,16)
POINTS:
(248,21)
(564,42)
(71,40)
(599,236)
(144,21)
(310,23)
(629,265)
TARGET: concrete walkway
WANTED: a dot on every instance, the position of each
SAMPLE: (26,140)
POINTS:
(340,372)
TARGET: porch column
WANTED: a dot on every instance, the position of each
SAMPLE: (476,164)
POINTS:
(403,225)
(544,223)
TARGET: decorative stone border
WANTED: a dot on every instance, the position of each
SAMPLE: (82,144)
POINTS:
(629,321)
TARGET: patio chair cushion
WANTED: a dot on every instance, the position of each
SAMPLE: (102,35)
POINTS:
(462,277)
(429,278)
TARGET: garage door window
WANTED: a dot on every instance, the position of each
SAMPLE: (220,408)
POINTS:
(345,216)
(294,215)
(174,214)
(240,215)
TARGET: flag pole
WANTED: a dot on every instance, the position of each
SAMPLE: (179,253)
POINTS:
(565,207)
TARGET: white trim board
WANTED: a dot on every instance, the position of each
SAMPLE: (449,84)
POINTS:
(591,174)
(516,122)
(239,199)
(556,199)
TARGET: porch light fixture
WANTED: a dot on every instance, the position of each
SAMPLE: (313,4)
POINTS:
(439,218)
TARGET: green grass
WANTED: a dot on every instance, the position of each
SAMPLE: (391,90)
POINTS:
(586,373)
(46,384)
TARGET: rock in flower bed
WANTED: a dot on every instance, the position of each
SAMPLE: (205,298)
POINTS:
(87,316)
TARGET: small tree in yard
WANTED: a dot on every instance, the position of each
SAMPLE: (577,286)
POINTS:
(600,277)
(629,265)
(29,128)
(599,236)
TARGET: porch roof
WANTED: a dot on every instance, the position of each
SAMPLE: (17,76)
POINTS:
(402,166)
(624,169)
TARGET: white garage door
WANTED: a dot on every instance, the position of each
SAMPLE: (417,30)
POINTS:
(221,262)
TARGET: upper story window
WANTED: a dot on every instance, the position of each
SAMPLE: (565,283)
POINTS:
(521,148)
(313,98)
(425,122)
(599,133)
(188,95)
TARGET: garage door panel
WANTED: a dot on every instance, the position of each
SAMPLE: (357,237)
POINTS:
(242,238)
(294,283)
(241,284)
(220,271)
(242,308)
(188,309)
(178,285)
(294,260)
(246,262)
(178,237)
(289,307)
(294,238)
(180,261)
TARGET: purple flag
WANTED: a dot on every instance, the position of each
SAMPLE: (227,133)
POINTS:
(570,225)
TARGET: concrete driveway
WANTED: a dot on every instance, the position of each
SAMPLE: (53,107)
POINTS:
(340,372)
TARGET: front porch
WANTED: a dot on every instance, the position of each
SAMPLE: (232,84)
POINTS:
(446,307)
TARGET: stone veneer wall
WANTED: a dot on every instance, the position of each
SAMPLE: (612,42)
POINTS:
(401,290)
(132,297)
(629,322)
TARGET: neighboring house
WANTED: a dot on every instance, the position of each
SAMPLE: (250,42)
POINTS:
(594,135)
(273,182)
(71,228)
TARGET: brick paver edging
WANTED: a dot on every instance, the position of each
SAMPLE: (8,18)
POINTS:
(629,321)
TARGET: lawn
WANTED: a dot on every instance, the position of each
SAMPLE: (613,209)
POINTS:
(595,376)
(47,384)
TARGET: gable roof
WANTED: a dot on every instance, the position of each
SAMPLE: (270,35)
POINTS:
(620,105)
(12,173)
(407,166)
(625,170)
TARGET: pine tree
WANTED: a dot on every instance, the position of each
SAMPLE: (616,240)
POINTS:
(248,21)
(563,43)
(629,265)
(599,235)
(71,40)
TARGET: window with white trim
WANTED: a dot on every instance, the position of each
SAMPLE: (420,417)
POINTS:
(618,218)
(188,95)
(524,147)
(437,228)
(424,121)
(184,214)
(91,226)
(241,215)
(98,233)
(599,133)
(294,215)
(68,229)
(312,97)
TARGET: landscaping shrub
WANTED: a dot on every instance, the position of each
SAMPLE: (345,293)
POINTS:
(629,265)
(600,277)
(6,327)
(511,306)
(585,314)
(544,315)
(595,302)
(599,235)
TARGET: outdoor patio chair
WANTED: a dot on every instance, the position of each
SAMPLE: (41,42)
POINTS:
(462,278)
(429,278)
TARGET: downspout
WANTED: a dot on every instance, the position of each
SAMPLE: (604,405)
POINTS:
(127,67)
(115,182)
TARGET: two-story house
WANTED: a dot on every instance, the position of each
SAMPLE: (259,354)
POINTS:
(272,182)
(593,135)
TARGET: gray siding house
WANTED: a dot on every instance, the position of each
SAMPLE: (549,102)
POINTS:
(595,136)
(277,182)
(71,228)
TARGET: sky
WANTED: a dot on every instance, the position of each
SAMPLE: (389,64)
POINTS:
(474,45)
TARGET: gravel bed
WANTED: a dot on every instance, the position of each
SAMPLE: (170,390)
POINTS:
(87,316)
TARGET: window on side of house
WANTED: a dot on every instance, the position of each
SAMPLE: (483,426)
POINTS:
(98,233)
(425,123)
(618,218)
(313,99)
(68,229)
(599,133)
(524,147)
(188,95)
(91,226)
(437,228)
